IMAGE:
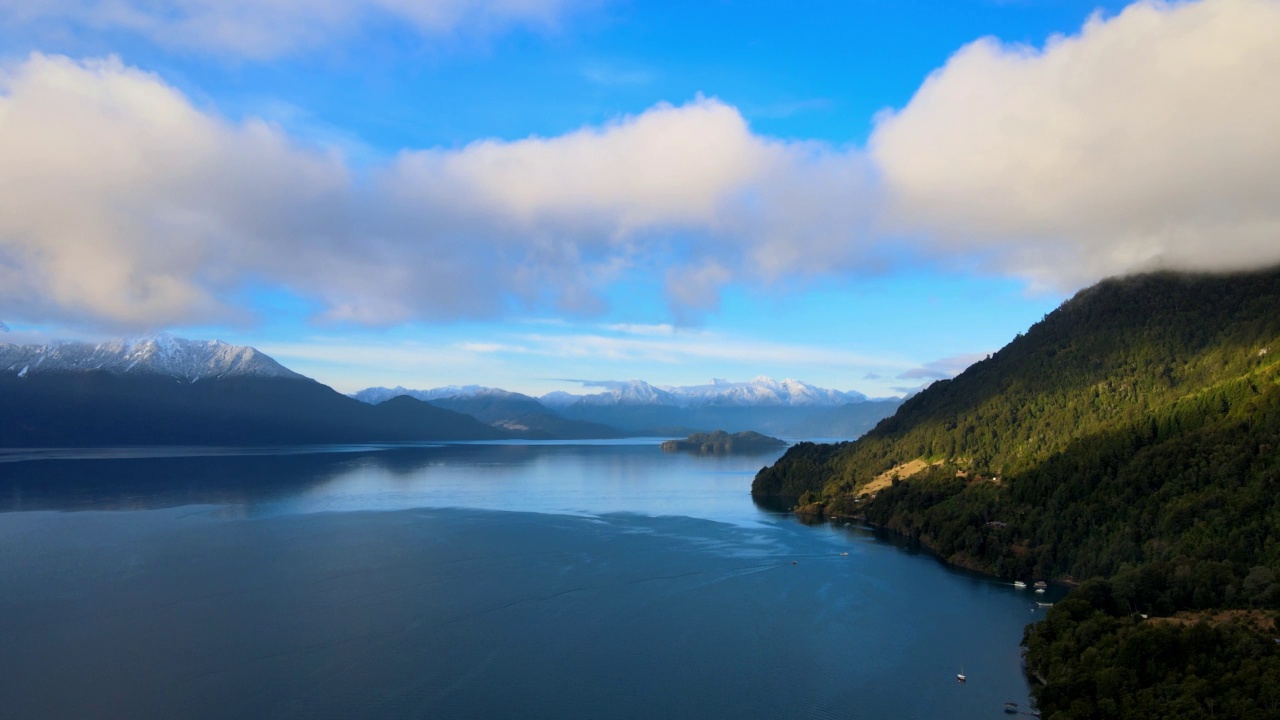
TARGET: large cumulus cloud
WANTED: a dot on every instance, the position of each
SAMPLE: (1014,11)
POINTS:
(124,204)
(1146,140)
(121,202)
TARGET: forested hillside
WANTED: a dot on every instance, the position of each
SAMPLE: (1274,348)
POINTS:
(1132,434)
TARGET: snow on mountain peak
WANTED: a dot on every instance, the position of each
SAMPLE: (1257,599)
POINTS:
(376,395)
(759,391)
(630,392)
(160,354)
(559,399)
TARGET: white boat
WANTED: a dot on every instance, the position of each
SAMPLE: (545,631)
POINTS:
(1019,584)
(960,677)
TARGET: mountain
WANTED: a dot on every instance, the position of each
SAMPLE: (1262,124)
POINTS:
(559,399)
(634,392)
(789,408)
(635,407)
(519,415)
(375,395)
(762,391)
(164,390)
(1131,436)
(160,355)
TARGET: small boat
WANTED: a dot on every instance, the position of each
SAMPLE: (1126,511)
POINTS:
(1041,585)
(1044,604)
(1019,584)
(1011,707)
(960,677)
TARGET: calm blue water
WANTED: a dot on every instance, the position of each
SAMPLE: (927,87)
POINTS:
(517,580)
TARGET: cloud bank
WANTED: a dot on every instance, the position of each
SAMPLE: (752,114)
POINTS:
(1146,140)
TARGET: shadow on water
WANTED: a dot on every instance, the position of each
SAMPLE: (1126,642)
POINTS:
(589,478)
(903,543)
(215,478)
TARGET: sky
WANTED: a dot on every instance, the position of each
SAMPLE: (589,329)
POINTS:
(528,194)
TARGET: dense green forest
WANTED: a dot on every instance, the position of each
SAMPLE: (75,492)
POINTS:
(1132,434)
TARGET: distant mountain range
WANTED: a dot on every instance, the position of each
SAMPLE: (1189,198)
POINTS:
(522,415)
(789,407)
(165,390)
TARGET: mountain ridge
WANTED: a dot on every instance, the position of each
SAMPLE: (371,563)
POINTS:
(790,407)
(165,390)
(160,354)
(761,390)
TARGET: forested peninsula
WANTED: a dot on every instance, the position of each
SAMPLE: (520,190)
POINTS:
(1132,439)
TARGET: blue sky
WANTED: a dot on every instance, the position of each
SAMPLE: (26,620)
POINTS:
(864,195)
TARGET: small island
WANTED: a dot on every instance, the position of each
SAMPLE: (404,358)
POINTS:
(723,443)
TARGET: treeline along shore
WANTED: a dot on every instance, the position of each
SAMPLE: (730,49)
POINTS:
(1128,442)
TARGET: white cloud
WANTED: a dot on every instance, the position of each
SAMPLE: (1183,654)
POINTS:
(120,202)
(1147,140)
(639,329)
(669,166)
(125,205)
(263,29)
(942,368)
(687,347)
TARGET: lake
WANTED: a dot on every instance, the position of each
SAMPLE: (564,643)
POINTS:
(470,580)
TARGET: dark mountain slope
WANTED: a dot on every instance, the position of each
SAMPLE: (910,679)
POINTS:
(524,417)
(1115,359)
(96,407)
(850,420)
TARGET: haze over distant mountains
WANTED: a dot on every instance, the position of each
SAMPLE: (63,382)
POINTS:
(790,408)
(162,389)
(759,391)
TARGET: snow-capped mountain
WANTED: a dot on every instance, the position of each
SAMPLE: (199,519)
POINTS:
(162,355)
(633,392)
(762,391)
(375,395)
(559,399)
